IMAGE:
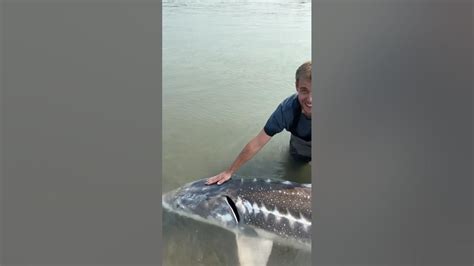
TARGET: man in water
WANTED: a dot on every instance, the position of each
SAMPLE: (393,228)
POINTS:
(294,115)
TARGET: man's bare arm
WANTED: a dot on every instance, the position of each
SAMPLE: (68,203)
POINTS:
(252,148)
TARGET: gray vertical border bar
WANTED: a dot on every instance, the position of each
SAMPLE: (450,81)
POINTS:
(148,181)
(430,137)
(2,86)
(160,135)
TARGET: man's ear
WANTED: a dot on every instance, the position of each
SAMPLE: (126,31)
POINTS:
(296,84)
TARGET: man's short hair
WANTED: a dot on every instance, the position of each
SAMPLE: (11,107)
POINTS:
(304,71)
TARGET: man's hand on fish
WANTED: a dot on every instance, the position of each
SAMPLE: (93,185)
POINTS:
(220,178)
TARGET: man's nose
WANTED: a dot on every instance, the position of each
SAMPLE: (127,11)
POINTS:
(310,99)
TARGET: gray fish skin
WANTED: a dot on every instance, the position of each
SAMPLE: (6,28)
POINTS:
(270,207)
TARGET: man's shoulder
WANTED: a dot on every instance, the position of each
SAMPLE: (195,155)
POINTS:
(281,118)
(290,102)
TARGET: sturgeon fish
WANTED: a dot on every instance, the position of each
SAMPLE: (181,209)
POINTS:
(258,211)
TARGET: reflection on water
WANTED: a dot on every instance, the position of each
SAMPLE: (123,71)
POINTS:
(226,66)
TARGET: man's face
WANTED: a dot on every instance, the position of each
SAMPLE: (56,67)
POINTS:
(303,88)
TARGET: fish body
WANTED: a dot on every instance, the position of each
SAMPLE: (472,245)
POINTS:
(266,208)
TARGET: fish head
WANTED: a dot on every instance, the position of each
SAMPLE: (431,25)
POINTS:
(212,203)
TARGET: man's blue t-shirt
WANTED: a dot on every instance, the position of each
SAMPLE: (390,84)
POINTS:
(288,116)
